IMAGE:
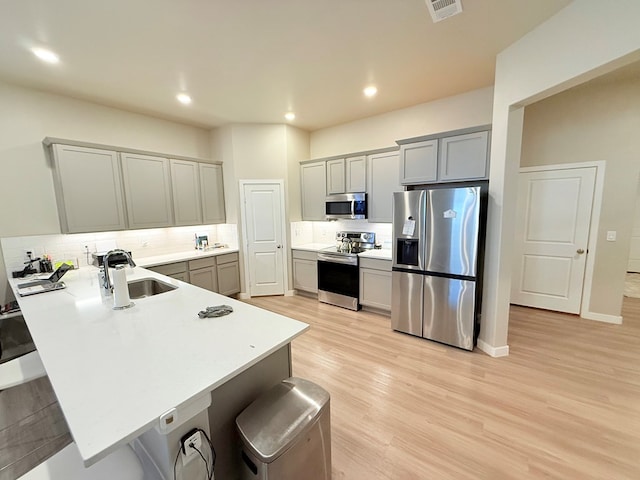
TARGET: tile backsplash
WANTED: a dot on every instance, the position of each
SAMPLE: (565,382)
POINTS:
(142,243)
(325,232)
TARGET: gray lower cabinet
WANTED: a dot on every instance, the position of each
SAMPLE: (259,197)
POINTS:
(182,276)
(220,273)
(305,271)
(203,273)
(177,270)
(375,283)
(228,270)
(88,185)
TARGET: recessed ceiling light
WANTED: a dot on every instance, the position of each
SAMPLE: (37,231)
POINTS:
(290,116)
(183,98)
(46,55)
(370,91)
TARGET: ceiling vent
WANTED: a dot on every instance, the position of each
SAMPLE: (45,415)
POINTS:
(441,9)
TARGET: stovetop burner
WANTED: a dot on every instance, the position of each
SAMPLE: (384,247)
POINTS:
(352,243)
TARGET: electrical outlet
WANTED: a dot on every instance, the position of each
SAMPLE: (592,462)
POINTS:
(187,452)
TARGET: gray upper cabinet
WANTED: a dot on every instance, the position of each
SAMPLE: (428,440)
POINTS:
(185,183)
(212,193)
(88,187)
(419,162)
(347,175)
(335,176)
(103,188)
(356,168)
(383,181)
(464,157)
(446,157)
(147,188)
(313,183)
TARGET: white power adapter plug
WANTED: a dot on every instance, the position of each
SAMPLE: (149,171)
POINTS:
(187,452)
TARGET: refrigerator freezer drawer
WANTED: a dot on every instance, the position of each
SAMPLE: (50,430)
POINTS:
(449,311)
(406,302)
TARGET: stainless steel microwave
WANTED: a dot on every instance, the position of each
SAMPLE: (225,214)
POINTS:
(352,206)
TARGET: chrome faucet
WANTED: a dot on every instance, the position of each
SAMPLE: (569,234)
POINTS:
(105,264)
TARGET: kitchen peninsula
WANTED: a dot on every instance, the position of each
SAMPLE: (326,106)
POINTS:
(116,373)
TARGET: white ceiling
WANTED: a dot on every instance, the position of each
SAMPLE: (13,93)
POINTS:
(250,61)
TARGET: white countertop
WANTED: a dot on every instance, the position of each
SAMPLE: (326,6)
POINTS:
(382,254)
(313,247)
(181,256)
(116,372)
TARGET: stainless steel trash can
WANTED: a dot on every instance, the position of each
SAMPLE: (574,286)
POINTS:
(286,433)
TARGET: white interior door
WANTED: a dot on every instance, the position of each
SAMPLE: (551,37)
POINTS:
(552,234)
(634,252)
(263,227)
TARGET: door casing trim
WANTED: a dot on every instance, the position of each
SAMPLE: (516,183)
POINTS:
(245,241)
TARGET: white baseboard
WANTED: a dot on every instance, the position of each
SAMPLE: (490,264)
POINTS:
(493,351)
(602,317)
(289,293)
(244,296)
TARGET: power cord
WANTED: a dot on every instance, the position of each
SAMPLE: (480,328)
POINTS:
(206,464)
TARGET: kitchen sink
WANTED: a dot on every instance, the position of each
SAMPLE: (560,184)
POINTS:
(148,287)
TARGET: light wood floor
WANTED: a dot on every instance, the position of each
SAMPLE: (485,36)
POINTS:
(564,405)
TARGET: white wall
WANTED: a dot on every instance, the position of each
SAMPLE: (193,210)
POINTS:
(596,121)
(260,152)
(252,151)
(27,201)
(584,40)
(460,111)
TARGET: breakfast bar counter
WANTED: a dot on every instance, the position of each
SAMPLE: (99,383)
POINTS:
(116,372)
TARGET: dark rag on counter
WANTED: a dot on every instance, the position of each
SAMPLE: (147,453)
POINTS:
(216,311)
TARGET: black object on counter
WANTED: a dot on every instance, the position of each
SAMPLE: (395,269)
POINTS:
(217,311)
(114,259)
(45,266)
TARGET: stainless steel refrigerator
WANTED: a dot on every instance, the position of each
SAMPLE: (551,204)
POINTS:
(438,240)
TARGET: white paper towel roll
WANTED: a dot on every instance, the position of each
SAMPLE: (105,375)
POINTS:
(120,289)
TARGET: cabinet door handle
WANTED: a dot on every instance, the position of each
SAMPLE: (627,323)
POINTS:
(278,246)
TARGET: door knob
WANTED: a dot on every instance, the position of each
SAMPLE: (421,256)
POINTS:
(278,246)
(580,251)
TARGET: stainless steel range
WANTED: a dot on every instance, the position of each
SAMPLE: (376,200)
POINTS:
(338,277)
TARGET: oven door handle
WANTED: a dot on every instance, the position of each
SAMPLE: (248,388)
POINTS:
(345,259)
